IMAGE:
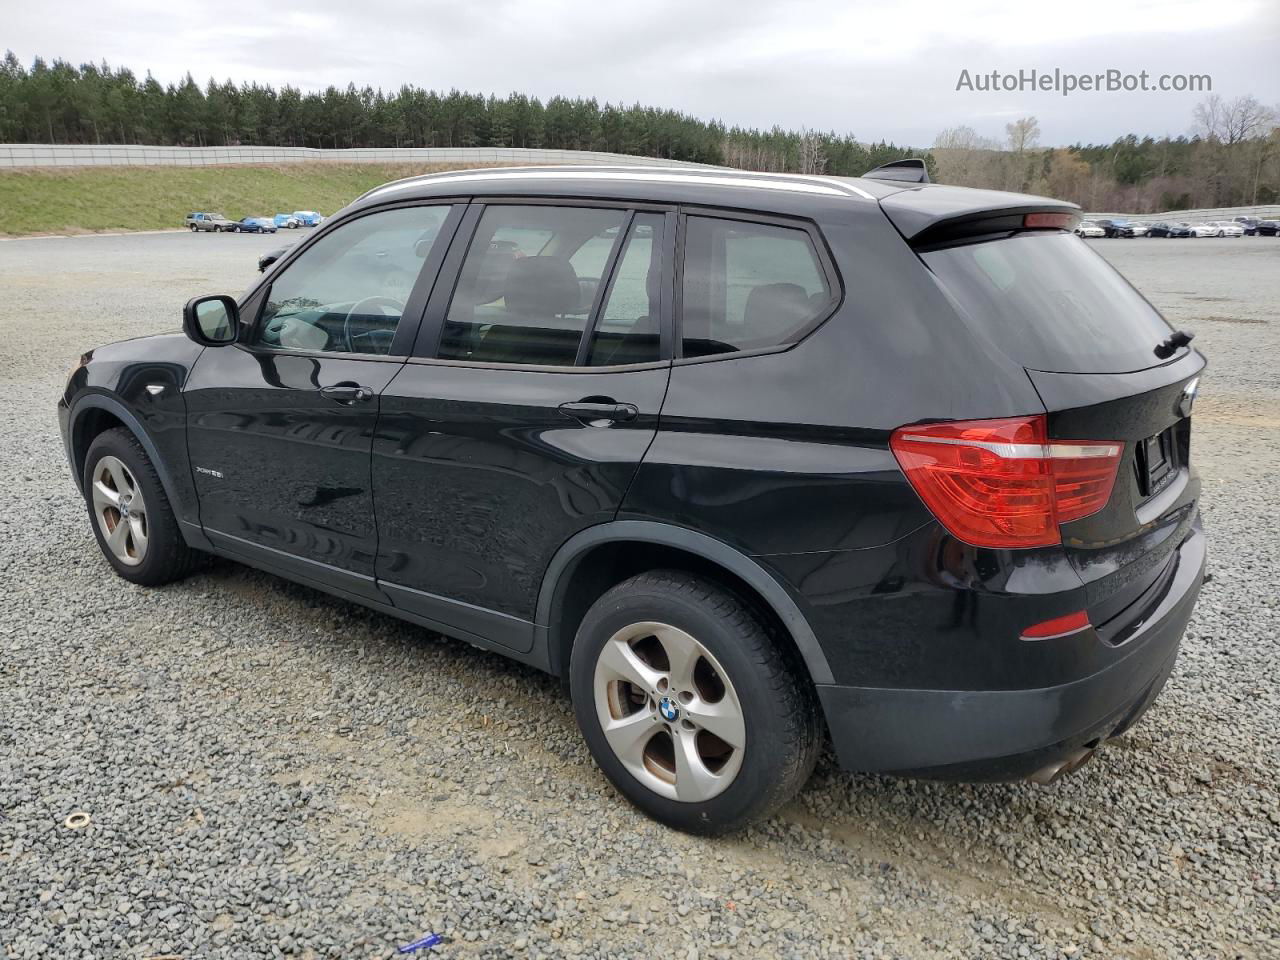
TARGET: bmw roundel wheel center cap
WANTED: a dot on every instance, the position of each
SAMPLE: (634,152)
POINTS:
(669,710)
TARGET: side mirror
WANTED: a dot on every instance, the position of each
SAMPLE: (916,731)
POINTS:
(211,321)
(271,256)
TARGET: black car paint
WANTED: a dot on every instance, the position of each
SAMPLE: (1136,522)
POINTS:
(292,465)
(461,498)
(112,382)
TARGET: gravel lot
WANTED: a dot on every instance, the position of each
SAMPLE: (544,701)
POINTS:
(272,772)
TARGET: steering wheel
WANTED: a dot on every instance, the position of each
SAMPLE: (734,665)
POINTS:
(379,339)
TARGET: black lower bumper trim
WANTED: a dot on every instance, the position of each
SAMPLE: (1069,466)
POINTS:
(1007,734)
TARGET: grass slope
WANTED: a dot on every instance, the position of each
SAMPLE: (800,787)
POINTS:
(87,199)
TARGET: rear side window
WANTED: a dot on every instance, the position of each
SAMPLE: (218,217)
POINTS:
(628,330)
(528,284)
(748,285)
(1051,303)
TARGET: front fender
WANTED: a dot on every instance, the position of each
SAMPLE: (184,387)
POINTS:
(137,384)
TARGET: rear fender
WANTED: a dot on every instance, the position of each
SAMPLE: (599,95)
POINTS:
(567,559)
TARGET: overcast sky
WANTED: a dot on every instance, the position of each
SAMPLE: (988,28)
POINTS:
(875,69)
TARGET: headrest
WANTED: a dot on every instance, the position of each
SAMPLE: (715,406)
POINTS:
(541,286)
(653,287)
(774,309)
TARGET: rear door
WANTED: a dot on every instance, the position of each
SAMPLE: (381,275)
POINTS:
(280,425)
(1101,358)
(532,396)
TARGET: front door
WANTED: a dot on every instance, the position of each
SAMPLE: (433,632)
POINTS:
(281,424)
(534,397)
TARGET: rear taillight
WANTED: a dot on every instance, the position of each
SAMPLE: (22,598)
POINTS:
(1003,483)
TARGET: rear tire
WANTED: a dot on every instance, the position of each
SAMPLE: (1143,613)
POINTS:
(130,514)
(194,229)
(712,723)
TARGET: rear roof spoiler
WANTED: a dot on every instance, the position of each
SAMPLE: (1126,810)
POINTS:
(938,213)
(912,170)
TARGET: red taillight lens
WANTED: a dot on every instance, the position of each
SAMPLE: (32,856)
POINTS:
(1003,483)
(1057,627)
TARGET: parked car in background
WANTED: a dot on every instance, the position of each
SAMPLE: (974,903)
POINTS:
(254,225)
(1268,228)
(208,222)
(1227,228)
(309,218)
(663,449)
(1088,228)
(1203,229)
(1249,225)
(286,221)
(1115,228)
(1139,229)
(1181,229)
(271,256)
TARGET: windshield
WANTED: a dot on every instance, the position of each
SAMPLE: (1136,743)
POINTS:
(1051,303)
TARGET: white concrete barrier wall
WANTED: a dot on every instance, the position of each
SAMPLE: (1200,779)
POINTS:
(89,155)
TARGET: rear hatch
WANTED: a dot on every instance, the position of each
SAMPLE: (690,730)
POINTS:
(1098,354)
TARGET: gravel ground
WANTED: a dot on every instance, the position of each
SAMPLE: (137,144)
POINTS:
(271,772)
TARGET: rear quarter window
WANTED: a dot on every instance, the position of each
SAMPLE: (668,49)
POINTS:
(748,285)
(1051,303)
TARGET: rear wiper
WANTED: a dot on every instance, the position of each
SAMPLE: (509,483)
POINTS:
(1177,339)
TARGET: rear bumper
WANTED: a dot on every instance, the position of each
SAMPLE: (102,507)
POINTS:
(1009,734)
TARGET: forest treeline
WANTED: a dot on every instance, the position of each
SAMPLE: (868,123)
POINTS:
(59,102)
(1230,156)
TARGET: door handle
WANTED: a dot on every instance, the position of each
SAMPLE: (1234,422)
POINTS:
(347,393)
(603,408)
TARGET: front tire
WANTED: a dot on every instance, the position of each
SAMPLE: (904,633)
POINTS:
(131,516)
(689,704)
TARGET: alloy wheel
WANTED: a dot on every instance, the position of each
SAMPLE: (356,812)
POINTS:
(120,511)
(669,712)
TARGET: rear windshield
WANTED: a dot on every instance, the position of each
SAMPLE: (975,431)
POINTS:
(1051,303)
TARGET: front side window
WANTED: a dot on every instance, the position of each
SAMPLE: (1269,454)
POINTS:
(748,285)
(528,284)
(346,293)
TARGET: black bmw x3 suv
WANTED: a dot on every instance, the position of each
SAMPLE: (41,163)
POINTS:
(739,456)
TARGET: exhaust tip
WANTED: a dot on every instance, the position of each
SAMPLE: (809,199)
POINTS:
(1060,768)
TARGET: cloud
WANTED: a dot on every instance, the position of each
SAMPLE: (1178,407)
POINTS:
(870,68)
